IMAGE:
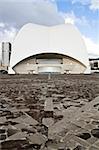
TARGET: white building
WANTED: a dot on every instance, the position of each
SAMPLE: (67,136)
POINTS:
(5,52)
(42,49)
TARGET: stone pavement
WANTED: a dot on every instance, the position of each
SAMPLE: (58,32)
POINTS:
(56,113)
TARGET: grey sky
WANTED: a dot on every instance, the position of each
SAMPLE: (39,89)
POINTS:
(15,13)
(18,13)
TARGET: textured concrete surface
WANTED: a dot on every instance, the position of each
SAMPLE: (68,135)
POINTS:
(56,113)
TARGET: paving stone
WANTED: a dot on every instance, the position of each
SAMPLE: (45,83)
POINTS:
(89,126)
(84,136)
(37,138)
(47,122)
(96,143)
(48,107)
(20,126)
(57,128)
(92,140)
(79,147)
(81,141)
(58,116)
(25,119)
(56,146)
(11,130)
(24,93)
(3,120)
(66,99)
(2,130)
(13,144)
(19,109)
(71,143)
(95,133)
(3,136)
(80,123)
(17,136)
(58,106)
(93,148)
(58,95)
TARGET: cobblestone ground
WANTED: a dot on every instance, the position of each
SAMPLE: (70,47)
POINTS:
(43,112)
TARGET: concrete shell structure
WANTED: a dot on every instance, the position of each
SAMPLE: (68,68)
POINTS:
(42,49)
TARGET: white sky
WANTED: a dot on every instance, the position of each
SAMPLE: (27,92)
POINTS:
(45,12)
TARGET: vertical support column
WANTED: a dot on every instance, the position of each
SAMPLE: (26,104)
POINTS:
(36,69)
(62,68)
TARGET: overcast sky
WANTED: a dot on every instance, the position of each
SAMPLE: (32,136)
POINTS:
(82,13)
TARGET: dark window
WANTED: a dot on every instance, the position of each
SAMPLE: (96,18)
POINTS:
(96,64)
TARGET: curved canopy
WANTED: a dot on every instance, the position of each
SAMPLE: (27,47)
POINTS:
(35,39)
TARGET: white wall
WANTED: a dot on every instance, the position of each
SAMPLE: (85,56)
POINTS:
(63,39)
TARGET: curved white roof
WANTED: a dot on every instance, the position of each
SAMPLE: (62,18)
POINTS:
(34,39)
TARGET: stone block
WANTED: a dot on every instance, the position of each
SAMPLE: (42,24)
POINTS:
(37,138)
(25,119)
(17,136)
(47,122)
(48,108)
